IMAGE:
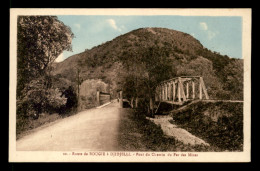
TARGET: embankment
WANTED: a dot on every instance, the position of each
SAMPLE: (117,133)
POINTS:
(219,123)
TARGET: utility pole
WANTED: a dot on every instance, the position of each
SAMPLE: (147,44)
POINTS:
(79,81)
(121,99)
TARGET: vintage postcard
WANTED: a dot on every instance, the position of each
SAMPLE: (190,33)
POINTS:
(130,85)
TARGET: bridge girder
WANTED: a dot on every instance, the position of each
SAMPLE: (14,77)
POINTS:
(177,90)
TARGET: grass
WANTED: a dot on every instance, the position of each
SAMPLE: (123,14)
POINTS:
(139,134)
(25,125)
(220,124)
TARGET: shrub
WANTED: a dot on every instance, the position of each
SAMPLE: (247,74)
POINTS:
(38,98)
(226,133)
(72,100)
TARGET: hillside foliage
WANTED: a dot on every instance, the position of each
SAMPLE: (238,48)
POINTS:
(137,61)
(220,124)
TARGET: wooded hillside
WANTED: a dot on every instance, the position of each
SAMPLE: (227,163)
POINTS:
(157,53)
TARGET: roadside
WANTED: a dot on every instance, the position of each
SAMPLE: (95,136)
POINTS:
(26,126)
(93,129)
(139,134)
(218,123)
(131,131)
(170,129)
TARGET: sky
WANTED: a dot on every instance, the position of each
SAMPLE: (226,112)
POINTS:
(220,34)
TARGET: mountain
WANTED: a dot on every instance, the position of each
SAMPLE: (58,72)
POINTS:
(222,75)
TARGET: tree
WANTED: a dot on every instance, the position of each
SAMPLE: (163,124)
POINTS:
(38,98)
(40,40)
(147,67)
(158,67)
(234,78)
(203,67)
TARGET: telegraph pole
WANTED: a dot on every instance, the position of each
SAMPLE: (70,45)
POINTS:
(79,81)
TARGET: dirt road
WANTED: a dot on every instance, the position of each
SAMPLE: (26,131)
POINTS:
(94,129)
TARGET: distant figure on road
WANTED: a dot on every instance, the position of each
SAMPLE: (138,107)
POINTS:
(118,100)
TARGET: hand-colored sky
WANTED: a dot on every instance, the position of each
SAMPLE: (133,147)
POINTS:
(220,34)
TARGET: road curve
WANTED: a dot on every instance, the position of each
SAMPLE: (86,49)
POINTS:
(94,129)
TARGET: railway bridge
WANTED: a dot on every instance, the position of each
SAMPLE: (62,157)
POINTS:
(174,91)
(180,89)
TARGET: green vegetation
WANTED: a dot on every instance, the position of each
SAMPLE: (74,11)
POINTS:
(38,97)
(220,123)
(135,62)
(25,124)
(41,39)
(139,134)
